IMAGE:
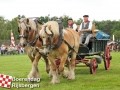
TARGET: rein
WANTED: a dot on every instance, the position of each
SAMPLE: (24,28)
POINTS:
(27,30)
(61,39)
(36,37)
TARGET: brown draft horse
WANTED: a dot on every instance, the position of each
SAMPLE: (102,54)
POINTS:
(50,34)
(29,38)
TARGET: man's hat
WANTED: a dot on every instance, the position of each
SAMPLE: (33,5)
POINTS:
(85,15)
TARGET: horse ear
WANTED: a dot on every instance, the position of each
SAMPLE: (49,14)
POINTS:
(27,20)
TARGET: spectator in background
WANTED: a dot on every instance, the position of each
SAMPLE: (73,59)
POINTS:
(3,48)
(71,24)
(22,50)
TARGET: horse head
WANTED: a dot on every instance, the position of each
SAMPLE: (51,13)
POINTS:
(48,33)
(27,28)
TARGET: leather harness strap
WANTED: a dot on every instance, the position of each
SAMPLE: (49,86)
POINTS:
(60,38)
(70,47)
(32,43)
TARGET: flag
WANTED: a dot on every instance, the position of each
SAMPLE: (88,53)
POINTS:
(5,81)
(12,39)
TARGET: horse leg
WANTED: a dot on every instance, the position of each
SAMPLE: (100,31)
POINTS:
(66,72)
(34,73)
(62,63)
(71,73)
(47,64)
(34,57)
(54,71)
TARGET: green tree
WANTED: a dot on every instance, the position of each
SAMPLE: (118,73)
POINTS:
(117,35)
(79,21)
(64,20)
(107,26)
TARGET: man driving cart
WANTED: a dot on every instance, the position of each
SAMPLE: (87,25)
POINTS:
(86,30)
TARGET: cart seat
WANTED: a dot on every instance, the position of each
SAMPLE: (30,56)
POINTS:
(90,42)
(83,50)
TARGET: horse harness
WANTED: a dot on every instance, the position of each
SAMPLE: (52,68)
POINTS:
(60,39)
(28,28)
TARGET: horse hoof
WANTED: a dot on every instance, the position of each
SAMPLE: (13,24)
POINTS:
(55,82)
(50,75)
(65,74)
(71,77)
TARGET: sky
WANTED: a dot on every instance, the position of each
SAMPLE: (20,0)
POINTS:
(96,9)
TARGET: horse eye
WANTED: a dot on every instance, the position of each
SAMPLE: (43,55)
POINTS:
(29,28)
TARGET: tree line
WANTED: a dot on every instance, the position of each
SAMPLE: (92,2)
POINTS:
(107,26)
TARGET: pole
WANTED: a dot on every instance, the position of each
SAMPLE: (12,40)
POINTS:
(113,38)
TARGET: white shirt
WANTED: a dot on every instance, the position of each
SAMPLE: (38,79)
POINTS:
(89,27)
(74,26)
(3,48)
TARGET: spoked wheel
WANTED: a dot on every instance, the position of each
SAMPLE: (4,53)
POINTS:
(93,66)
(107,58)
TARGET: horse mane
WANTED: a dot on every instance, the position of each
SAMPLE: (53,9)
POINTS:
(53,26)
(30,22)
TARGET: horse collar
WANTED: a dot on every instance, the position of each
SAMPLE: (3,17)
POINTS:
(60,38)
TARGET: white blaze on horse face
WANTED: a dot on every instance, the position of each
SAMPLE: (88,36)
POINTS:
(44,36)
(22,32)
(22,41)
(45,50)
(42,33)
(44,41)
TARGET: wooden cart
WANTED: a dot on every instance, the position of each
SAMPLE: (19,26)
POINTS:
(91,55)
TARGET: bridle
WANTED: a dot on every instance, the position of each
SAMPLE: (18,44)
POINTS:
(50,38)
(28,28)
(49,35)
(26,34)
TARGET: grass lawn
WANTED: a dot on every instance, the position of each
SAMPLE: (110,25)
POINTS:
(20,65)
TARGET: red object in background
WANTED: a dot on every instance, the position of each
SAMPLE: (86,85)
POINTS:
(12,39)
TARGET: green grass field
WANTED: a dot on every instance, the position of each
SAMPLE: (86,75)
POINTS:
(20,65)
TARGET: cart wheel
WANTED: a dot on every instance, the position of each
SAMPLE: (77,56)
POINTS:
(93,66)
(107,58)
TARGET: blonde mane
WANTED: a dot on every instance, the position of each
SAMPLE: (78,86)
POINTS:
(54,27)
(30,23)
